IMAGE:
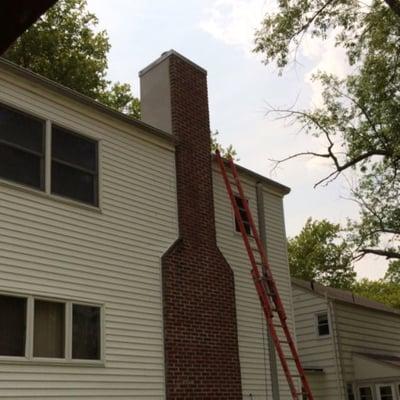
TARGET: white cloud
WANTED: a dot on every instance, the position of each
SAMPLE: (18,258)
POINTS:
(234,22)
(325,57)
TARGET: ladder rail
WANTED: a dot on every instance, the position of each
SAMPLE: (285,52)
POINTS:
(262,251)
(264,282)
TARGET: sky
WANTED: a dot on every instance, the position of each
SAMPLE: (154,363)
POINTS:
(218,35)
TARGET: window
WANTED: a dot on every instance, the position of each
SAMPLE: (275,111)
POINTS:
(49,329)
(365,393)
(12,326)
(350,392)
(243,214)
(74,158)
(59,330)
(385,392)
(85,332)
(322,324)
(21,148)
(74,166)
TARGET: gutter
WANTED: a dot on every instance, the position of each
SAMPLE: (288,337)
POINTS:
(81,98)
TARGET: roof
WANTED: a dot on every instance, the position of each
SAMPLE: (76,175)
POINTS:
(345,296)
(391,360)
(88,101)
(263,179)
(16,16)
(81,98)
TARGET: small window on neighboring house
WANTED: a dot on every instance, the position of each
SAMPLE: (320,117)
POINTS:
(322,324)
(74,167)
(21,148)
(12,326)
(85,332)
(245,217)
(350,392)
(49,329)
(365,393)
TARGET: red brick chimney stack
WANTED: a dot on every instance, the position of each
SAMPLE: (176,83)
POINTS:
(200,332)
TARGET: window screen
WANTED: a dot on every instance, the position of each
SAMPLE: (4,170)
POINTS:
(323,324)
(85,332)
(12,326)
(49,329)
(21,148)
(386,392)
(74,169)
(244,216)
(365,393)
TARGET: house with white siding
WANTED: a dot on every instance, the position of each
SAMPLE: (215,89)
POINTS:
(349,345)
(122,275)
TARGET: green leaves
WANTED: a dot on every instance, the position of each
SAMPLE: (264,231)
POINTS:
(384,291)
(319,253)
(66,47)
(360,115)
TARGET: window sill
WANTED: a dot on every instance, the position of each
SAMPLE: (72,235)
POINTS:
(239,234)
(52,362)
(53,197)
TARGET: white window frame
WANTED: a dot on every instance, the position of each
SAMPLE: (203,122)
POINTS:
(364,387)
(29,358)
(46,192)
(391,385)
(316,315)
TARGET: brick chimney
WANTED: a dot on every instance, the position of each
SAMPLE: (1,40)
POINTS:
(200,332)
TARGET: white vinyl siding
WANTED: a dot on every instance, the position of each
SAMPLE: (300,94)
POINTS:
(363,330)
(277,255)
(252,332)
(316,352)
(57,249)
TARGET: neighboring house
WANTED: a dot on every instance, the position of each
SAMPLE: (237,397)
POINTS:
(349,345)
(122,275)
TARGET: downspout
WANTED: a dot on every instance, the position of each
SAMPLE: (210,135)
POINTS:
(336,349)
(271,349)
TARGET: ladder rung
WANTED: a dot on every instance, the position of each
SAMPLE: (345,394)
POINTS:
(269,293)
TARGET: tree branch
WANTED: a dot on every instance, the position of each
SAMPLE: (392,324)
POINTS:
(389,254)
(394,6)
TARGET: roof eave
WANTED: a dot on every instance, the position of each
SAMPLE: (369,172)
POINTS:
(74,95)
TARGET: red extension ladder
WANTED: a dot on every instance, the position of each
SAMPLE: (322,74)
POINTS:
(265,285)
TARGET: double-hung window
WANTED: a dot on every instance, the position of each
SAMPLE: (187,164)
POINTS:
(22,144)
(72,167)
(385,392)
(365,393)
(322,322)
(43,329)
(244,216)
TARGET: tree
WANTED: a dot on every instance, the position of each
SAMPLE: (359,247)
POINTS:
(228,152)
(393,272)
(380,290)
(360,115)
(64,46)
(318,253)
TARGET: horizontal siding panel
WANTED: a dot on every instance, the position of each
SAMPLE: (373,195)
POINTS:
(365,330)
(56,249)
(253,339)
(315,352)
